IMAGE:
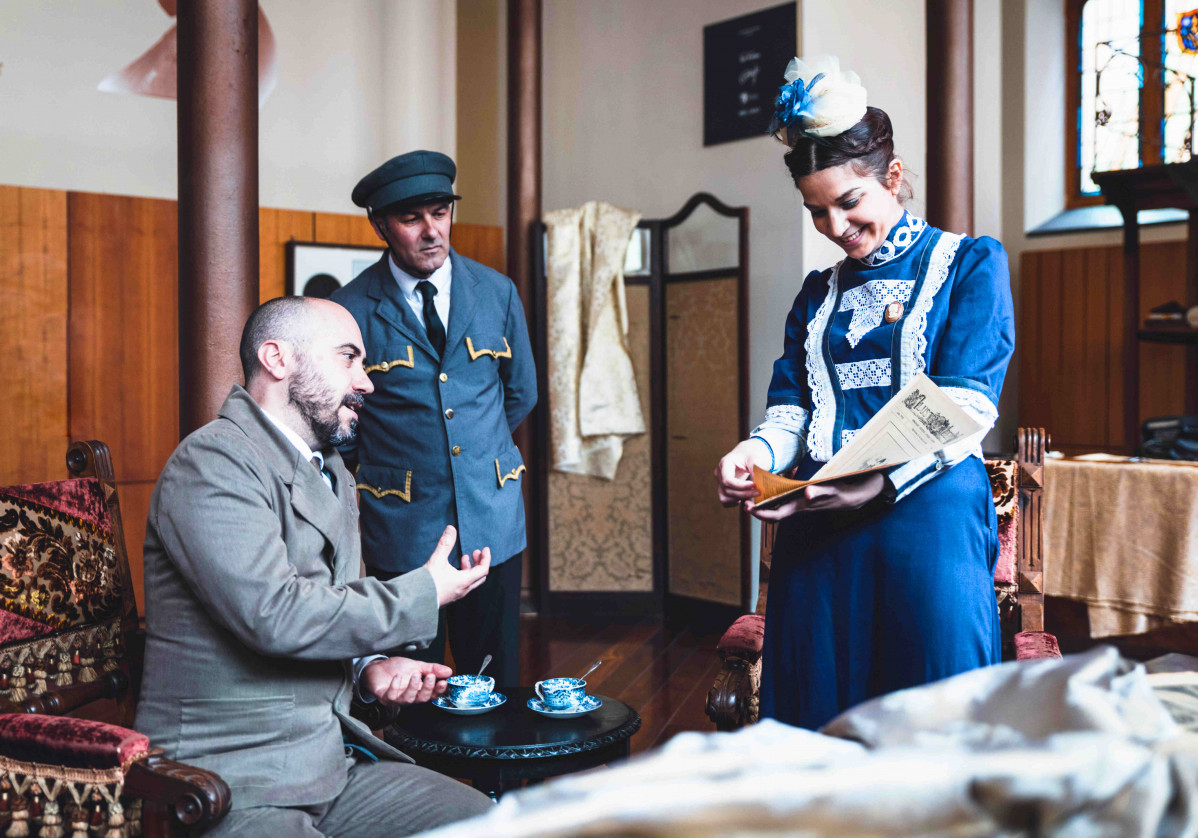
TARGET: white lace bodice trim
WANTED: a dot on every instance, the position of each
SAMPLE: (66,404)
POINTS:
(788,416)
(819,377)
(874,372)
(904,234)
(868,303)
(914,340)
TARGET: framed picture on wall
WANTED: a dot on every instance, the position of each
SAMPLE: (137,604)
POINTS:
(317,270)
(743,62)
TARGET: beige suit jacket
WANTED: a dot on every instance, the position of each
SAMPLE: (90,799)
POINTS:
(254,610)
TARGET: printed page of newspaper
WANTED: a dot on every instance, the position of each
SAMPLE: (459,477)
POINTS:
(921,419)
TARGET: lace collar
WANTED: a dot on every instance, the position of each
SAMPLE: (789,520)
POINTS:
(904,234)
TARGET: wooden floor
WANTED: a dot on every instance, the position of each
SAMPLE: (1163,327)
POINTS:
(663,672)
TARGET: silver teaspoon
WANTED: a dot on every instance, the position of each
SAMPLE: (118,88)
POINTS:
(592,668)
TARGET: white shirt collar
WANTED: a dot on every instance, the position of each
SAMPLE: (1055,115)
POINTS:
(294,438)
(407,283)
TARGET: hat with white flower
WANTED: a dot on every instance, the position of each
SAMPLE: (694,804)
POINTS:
(818,101)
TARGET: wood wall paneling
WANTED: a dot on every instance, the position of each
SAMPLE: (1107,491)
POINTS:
(481,243)
(275,228)
(337,228)
(1162,366)
(124,368)
(90,285)
(1070,339)
(33,334)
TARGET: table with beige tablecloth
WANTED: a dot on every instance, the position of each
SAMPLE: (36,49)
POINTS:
(1122,536)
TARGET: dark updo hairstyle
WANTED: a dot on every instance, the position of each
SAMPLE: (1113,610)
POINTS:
(868,147)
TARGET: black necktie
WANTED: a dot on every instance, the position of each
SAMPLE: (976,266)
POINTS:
(432,321)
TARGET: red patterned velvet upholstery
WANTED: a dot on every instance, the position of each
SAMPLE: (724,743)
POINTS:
(15,627)
(81,498)
(67,613)
(61,586)
(1003,487)
(69,742)
(743,638)
(1030,645)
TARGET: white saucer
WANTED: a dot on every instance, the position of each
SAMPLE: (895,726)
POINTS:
(494,701)
(591,702)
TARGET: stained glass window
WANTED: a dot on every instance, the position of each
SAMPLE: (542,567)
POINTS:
(1136,66)
(1111,80)
(1181,67)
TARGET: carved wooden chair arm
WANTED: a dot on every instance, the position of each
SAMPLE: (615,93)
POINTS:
(113,684)
(188,796)
(376,715)
(732,702)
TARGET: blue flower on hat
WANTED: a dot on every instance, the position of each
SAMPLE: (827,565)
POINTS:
(794,102)
(831,103)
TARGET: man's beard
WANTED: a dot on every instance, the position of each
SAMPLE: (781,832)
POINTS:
(319,406)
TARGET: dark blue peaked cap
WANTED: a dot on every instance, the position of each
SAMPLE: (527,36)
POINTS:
(415,177)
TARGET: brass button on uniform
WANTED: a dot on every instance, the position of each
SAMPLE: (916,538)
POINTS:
(449,413)
(384,366)
(457,449)
(443,377)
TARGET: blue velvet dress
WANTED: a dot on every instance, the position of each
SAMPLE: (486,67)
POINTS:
(898,593)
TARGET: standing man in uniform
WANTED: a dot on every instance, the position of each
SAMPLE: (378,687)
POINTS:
(448,353)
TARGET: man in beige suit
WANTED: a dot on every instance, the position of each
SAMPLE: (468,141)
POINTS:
(256,619)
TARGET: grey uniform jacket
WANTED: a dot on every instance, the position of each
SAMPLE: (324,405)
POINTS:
(254,610)
(435,440)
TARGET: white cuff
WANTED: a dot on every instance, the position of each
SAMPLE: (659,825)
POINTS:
(784,430)
(359,665)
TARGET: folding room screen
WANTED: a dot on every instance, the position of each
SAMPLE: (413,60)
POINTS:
(655,539)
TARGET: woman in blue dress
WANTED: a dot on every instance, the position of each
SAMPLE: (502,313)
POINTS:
(885,582)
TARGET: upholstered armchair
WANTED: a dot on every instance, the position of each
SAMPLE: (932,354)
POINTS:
(68,633)
(1017,486)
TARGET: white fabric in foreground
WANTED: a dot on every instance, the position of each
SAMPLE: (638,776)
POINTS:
(593,399)
(1075,747)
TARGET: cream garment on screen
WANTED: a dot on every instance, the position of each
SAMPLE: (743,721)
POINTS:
(593,399)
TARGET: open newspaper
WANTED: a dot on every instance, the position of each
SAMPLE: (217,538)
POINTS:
(921,419)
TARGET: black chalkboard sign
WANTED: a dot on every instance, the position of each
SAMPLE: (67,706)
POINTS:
(743,62)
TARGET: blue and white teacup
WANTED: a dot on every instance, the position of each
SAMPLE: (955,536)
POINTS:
(561,693)
(469,690)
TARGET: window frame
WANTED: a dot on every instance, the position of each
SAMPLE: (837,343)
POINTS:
(1152,107)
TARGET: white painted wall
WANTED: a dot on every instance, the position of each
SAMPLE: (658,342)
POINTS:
(358,81)
(419,76)
(891,62)
(623,122)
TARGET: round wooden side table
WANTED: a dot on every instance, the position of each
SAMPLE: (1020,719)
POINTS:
(496,751)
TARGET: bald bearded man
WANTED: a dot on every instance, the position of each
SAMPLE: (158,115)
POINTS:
(257,623)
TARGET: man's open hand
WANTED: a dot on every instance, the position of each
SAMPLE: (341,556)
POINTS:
(403,680)
(453,584)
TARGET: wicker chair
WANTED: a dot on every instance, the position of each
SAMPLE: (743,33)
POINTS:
(1017,486)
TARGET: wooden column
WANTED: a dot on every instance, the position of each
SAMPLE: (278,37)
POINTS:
(218,198)
(523,209)
(1191,299)
(950,114)
(1131,327)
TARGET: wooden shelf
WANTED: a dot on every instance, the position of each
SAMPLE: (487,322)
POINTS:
(1171,333)
(1152,187)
